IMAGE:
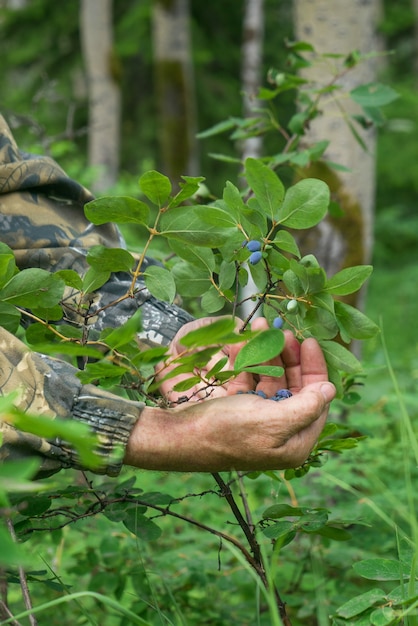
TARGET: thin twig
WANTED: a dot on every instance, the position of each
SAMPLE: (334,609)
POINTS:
(6,614)
(257,560)
(243,495)
(23,580)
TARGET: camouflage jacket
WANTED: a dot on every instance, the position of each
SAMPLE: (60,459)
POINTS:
(42,220)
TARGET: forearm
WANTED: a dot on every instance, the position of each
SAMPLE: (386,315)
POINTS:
(50,388)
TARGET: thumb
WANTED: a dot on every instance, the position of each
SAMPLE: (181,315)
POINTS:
(325,388)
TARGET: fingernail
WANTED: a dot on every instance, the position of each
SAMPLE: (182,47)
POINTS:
(328,391)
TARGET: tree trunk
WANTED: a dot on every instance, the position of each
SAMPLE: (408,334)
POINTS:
(338,26)
(251,67)
(415,8)
(104,94)
(175,89)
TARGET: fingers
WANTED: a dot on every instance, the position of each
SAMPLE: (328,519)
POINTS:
(315,402)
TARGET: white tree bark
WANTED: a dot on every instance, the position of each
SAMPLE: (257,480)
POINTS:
(341,27)
(251,67)
(415,8)
(96,32)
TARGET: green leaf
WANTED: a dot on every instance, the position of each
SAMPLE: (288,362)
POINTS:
(7,267)
(71,278)
(211,300)
(293,283)
(219,365)
(141,526)
(305,204)
(381,569)
(100,370)
(402,594)
(313,521)
(320,323)
(217,215)
(373,95)
(227,275)
(121,335)
(323,300)
(233,200)
(383,616)
(354,322)
(265,370)
(9,317)
(283,510)
(361,603)
(36,506)
(201,257)
(187,189)
(262,348)
(94,279)
(185,385)
(334,532)
(348,280)
(156,187)
(190,281)
(110,259)
(219,332)
(267,186)
(218,128)
(279,529)
(285,241)
(50,314)
(339,357)
(33,288)
(120,210)
(187,225)
(160,283)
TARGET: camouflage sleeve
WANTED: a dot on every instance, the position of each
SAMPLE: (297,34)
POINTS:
(42,220)
(50,387)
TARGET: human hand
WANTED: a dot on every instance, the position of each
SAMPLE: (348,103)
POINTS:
(244,381)
(242,432)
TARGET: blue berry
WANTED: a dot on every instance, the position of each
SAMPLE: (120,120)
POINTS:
(261,394)
(282,394)
(278,322)
(255,257)
(254,245)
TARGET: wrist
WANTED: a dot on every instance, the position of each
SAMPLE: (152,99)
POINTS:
(160,440)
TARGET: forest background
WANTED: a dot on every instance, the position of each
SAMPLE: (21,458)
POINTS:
(44,96)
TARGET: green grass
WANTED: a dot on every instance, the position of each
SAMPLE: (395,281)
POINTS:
(188,577)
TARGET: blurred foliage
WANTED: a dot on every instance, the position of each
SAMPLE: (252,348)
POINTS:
(42,82)
(42,89)
(43,94)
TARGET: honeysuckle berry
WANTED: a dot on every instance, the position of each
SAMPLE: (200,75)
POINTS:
(282,394)
(255,257)
(278,322)
(292,306)
(254,245)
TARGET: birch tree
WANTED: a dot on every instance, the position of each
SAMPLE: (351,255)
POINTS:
(251,67)
(175,88)
(341,27)
(96,33)
(251,79)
